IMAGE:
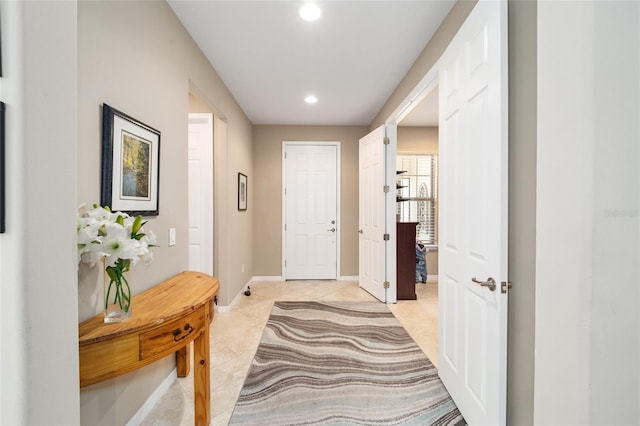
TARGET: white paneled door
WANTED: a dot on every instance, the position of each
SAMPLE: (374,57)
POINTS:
(473,216)
(377,214)
(311,225)
(201,192)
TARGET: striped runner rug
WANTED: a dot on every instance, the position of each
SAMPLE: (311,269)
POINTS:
(341,363)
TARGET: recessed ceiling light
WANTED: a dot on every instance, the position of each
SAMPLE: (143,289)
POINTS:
(310,12)
(311,99)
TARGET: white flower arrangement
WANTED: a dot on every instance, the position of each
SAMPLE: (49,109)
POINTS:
(113,236)
(118,239)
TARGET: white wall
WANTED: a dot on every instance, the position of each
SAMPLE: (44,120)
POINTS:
(38,278)
(587,292)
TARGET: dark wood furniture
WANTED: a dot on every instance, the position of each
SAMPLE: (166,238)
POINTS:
(406,260)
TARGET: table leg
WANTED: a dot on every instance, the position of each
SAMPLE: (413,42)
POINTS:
(183,361)
(201,378)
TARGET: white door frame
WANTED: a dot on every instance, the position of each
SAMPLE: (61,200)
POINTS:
(337,144)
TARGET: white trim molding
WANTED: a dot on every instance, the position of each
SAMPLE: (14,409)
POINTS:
(153,399)
(349,278)
(267,278)
(226,309)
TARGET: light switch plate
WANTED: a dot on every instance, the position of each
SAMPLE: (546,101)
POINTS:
(172,237)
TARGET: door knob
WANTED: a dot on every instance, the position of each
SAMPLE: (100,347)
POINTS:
(332,230)
(490,283)
(360,231)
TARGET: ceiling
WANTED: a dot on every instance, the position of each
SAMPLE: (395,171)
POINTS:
(351,59)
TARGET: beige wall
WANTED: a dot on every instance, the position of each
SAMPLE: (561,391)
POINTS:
(417,140)
(197,106)
(267,149)
(137,57)
(522,210)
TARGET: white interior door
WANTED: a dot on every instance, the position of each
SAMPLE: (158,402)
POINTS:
(473,216)
(200,192)
(310,197)
(377,259)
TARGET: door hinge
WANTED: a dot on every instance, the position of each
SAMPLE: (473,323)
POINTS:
(285,226)
(504,285)
(386,284)
(385,237)
(385,188)
(285,263)
(285,155)
(386,140)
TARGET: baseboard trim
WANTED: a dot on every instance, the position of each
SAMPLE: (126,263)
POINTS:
(153,399)
(349,278)
(234,302)
(268,278)
(432,278)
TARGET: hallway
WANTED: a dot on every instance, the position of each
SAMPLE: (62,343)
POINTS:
(235,337)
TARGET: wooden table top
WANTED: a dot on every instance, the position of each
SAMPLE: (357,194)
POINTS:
(171,299)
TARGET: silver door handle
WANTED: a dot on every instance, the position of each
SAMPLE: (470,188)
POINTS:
(490,283)
(332,230)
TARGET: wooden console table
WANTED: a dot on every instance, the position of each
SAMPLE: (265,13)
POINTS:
(165,319)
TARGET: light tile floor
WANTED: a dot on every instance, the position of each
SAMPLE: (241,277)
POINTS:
(235,337)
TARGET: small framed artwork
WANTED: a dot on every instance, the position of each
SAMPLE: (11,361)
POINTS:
(242,192)
(130,164)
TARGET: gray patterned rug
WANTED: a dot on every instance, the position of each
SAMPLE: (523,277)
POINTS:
(341,363)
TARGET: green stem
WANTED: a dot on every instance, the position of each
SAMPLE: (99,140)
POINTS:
(106,298)
(122,295)
(127,296)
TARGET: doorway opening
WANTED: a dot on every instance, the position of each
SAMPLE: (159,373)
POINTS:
(417,177)
(417,202)
(200,187)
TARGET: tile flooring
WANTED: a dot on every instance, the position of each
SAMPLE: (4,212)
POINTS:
(235,337)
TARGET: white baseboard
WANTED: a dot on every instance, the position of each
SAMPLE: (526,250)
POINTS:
(432,278)
(153,399)
(349,278)
(268,278)
(234,302)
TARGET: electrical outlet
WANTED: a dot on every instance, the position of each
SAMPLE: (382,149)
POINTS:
(172,237)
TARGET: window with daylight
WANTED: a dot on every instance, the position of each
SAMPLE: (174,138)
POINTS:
(417,194)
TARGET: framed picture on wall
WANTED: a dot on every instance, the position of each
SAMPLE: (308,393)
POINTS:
(242,192)
(130,164)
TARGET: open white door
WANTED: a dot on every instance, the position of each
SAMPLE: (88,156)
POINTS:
(311,228)
(473,216)
(201,192)
(377,219)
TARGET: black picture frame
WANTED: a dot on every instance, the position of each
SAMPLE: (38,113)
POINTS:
(130,164)
(243,192)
